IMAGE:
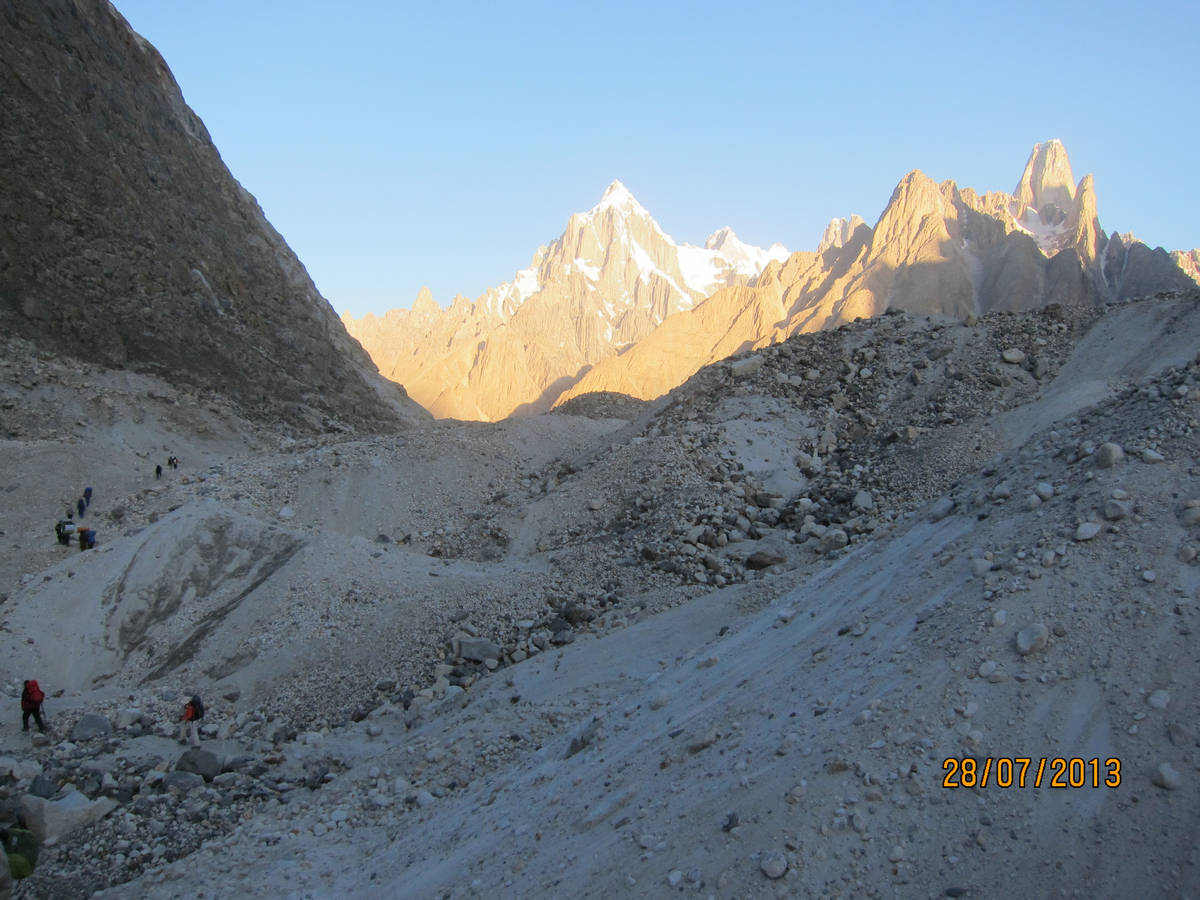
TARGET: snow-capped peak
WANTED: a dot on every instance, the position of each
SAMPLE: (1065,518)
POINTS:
(617,196)
(722,239)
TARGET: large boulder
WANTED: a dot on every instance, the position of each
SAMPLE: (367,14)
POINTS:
(51,820)
(477,649)
(43,786)
(182,782)
(20,769)
(199,762)
(91,725)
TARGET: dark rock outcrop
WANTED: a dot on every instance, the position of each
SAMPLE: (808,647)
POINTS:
(125,241)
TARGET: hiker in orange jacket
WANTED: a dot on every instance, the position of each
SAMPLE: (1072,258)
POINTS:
(192,713)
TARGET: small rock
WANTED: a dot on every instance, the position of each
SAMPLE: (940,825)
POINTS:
(425,799)
(1087,530)
(1149,576)
(1115,510)
(999,617)
(1166,776)
(1032,638)
(748,366)
(763,559)
(1109,455)
(674,878)
(774,864)
(833,540)
(1044,490)
(1013,356)
(1152,456)
(862,500)
(286,512)
(941,508)
(1159,699)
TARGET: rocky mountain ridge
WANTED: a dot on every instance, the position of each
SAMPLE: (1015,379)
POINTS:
(936,249)
(609,280)
(125,240)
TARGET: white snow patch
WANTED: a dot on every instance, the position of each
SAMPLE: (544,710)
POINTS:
(702,269)
(527,283)
(590,270)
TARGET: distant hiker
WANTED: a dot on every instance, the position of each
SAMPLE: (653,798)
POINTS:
(68,529)
(158,471)
(192,713)
(87,538)
(80,506)
(59,532)
(87,496)
(21,848)
(31,705)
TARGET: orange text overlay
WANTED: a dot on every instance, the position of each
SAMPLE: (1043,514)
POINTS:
(1036,772)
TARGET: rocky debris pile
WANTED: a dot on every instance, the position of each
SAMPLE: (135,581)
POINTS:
(119,795)
(603,405)
(892,412)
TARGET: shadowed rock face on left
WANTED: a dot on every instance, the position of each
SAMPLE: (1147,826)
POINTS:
(125,240)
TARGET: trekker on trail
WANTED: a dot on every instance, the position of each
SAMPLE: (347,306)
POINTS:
(80,506)
(68,529)
(87,496)
(87,539)
(158,471)
(31,705)
(192,713)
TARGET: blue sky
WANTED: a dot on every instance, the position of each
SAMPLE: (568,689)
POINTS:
(396,145)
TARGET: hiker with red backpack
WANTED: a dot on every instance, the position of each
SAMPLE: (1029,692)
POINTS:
(31,705)
(192,714)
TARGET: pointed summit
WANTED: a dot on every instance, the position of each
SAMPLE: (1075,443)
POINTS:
(425,305)
(617,196)
(722,237)
(1047,178)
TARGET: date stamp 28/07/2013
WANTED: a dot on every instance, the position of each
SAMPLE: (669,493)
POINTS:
(1027,771)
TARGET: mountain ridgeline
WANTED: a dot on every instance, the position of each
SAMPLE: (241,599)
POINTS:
(607,283)
(124,240)
(610,306)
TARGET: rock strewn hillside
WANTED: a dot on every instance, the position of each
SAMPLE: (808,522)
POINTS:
(125,240)
(826,639)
